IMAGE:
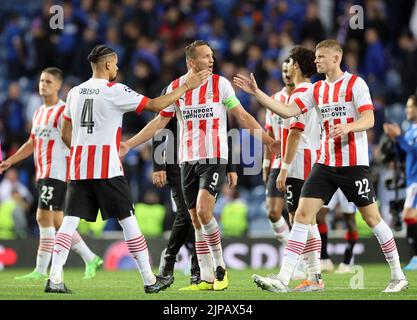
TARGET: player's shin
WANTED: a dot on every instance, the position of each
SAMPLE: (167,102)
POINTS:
(62,246)
(138,248)
(293,250)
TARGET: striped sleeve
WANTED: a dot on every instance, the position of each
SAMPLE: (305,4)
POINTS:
(127,99)
(305,100)
(361,96)
(66,115)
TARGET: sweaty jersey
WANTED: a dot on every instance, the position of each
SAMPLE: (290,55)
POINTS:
(95,109)
(273,123)
(201,113)
(408,142)
(341,101)
(309,144)
(50,153)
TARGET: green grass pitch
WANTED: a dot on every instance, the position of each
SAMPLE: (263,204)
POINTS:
(126,285)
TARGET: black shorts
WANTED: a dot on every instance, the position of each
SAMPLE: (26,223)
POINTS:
(355,183)
(271,187)
(294,187)
(111,196)
(51,194)
(196,176)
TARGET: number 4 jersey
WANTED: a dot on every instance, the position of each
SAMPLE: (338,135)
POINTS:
(95,109)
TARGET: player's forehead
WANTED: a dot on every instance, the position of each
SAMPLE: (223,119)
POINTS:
(324,51)
(46,76)
(284,66)
(203,50)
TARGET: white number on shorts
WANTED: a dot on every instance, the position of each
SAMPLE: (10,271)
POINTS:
(47,193)
(289,192)
(363,186)
(213,184)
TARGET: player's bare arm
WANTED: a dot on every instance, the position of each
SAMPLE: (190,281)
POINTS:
(24,151)
(66,132)
(267,160)
(250,86)
(145,134)
(194,80)
(246,121)
(365,122)
(291,148)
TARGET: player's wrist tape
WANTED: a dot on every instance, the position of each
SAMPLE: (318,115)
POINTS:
(285,166)
(266,163)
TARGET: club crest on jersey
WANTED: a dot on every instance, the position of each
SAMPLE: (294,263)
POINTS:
(209,95)
(342,94)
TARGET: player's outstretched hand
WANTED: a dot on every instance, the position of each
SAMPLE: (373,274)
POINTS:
(159,178)
(124,148)
(195,80)
(4,166)
(248,85)
(232,179)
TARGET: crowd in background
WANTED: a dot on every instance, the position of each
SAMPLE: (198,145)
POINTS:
(150,36)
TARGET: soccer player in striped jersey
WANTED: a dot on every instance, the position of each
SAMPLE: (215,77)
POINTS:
(346,111)
(408,143)
(203,155)
(299,148)
(92,129)
(51,165)
(167,172)
(271,163)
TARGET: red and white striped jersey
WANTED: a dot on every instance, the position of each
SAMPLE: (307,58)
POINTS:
(95,109)
(50,153)
(273,123)
(340,102)
(202,116)
(309,144)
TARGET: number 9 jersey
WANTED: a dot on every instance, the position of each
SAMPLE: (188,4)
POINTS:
(95,109)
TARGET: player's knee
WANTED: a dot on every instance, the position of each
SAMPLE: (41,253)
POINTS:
(273,215)
(302,216)
(44,221)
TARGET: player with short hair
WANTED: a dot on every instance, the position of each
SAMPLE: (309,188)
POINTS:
(92,129)
(299,148)
(167,171)
(346,111)
(204,155)
(408,143)
(51,165)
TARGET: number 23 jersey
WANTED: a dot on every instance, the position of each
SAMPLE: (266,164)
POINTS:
(95,109)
